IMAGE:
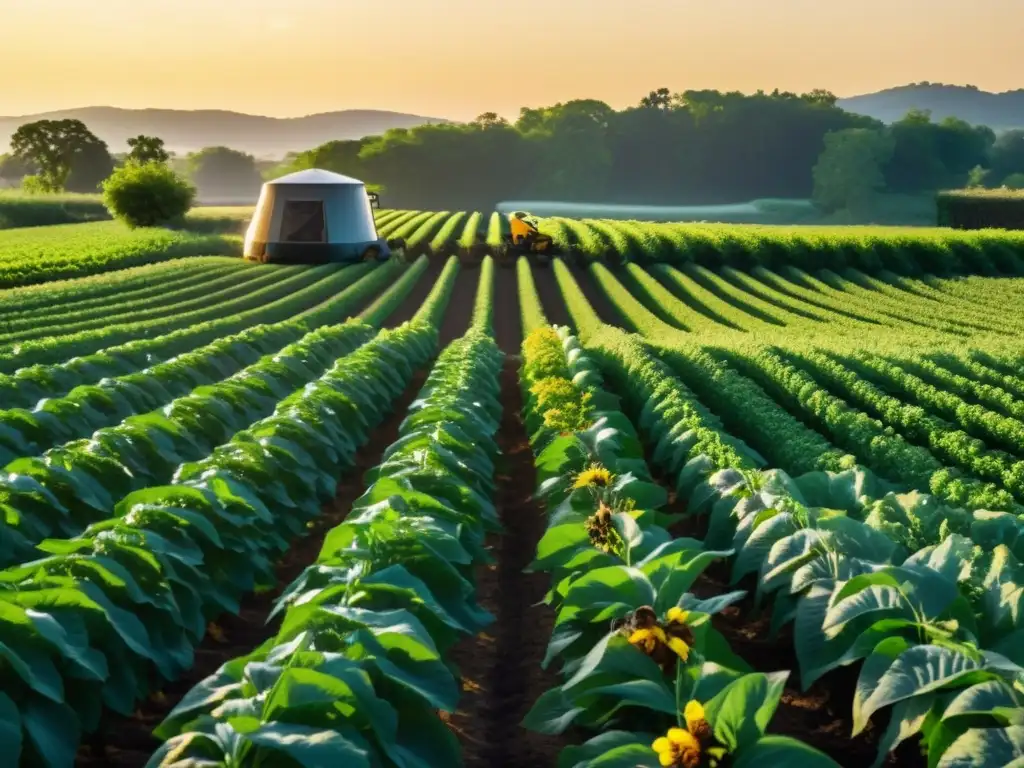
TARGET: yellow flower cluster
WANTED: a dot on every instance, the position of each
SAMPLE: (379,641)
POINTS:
(648,638)
(594,476)
(542,351)
(682,747)
(565,408)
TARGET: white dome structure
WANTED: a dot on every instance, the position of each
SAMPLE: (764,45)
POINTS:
(313,217)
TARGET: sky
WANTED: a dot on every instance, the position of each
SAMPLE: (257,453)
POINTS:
(458,58)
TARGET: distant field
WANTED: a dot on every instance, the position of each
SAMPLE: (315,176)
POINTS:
(20,210)
(901,250)
(36,254)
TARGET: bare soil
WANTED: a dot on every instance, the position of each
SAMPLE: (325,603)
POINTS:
(460,305)
(410,306)
(596,297)
(500,667)
(551,296)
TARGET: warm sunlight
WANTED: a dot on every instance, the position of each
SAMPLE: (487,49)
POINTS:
(511,384)
(454,58)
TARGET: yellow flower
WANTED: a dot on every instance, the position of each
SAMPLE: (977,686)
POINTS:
(594,475)
(696,722)
(647,639)
(681,649)
(693,713)
(677,749)
(677,615)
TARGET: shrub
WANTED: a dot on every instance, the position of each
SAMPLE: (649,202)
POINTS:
(34,185)
(981,209)
(144,195)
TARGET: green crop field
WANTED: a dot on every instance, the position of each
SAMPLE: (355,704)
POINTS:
(682,495)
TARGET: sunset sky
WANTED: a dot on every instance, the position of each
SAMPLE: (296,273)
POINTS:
(457,58)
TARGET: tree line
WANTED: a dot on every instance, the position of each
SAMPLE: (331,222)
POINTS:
(689,148)
(65,156)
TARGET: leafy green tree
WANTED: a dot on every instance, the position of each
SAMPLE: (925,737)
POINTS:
(13,168)
(147,149)
(92,164)
(223,173)
(53,146)
(657,99)
(929,156)
(1014,181)
(490,120)
(848,173)
(1007,155)
(147,194)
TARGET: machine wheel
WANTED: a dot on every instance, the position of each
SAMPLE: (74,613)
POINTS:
(396,243)
(372,253)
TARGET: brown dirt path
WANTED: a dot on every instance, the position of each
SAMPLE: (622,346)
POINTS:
(460,306)
(128,742)
(500,667)
(508,321)
(593,293)
(412,303)
(551,296)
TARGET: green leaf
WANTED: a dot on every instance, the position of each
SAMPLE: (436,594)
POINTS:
(781,752)
(739,715)
(919,670)
(53,730)
(986,748)
(10,730)
(309,747)
(612,749)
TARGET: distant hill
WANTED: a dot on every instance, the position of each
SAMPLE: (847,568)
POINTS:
(186,131)
(999,111)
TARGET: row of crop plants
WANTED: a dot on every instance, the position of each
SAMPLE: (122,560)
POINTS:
(358,669)
(642,666)
(170,522)
(36,255)
(907,445)
(613,242)
(141,343)
(57,407)
(925,596)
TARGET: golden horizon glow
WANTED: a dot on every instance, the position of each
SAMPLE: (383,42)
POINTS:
(458,58)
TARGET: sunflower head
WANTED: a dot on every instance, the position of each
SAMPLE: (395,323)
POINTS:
(594,476)
(601,530)
(677,749)
(666,642)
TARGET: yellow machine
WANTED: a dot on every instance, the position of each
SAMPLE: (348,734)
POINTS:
(525,236)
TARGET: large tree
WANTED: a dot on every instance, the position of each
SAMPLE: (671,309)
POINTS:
(53,146)
(91,166)
(224,174)
(849,172)
(147,149)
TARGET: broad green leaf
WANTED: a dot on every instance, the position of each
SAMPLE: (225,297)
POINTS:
(781,752)
(739,715)
(986,748)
